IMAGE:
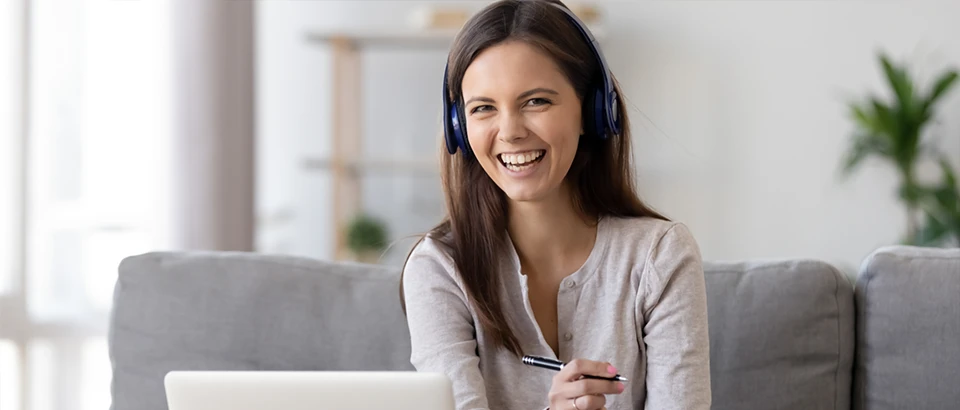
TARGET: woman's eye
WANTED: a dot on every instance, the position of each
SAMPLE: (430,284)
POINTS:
(481,108)
(538,101)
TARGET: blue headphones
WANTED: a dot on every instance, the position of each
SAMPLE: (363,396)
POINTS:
(600,105)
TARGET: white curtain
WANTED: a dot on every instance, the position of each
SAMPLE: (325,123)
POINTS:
(213,114)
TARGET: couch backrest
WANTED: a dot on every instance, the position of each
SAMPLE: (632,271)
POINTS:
(781,332)
(908,329)
(237,311)
(781,335)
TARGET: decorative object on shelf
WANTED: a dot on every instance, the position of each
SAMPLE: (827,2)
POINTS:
(893,131)
(432,18)
(366,238)
(448,18)
(586,13)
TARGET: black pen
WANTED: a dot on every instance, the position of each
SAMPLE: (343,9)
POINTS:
(558,365)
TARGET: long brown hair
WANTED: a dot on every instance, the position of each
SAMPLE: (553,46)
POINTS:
(601,176)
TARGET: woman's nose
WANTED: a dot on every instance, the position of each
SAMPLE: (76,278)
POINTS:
(512,128)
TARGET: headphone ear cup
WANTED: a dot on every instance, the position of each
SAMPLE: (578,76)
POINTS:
(459,128)
(600,110)
(464,142)
(449,131)
(613,113)
(594,114)
(589,115)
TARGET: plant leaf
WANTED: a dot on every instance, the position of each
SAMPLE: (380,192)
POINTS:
(891,131)
(939,89)
(885,120)
(900,82)
(949,178)
(864,145)
(941,203)
(941,86)
(931,232)
(868,122)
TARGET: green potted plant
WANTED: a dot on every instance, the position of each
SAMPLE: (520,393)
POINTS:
(366,238)
(892,131)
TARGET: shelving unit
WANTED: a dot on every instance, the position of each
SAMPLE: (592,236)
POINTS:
(346,162)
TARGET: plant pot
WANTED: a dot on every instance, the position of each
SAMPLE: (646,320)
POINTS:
(371,256)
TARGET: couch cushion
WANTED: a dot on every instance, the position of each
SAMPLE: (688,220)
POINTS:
(908,329)
(781,335)
(239,311)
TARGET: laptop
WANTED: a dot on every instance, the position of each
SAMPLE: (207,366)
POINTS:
(294,390)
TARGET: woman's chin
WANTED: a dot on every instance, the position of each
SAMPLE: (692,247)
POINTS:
(524,194)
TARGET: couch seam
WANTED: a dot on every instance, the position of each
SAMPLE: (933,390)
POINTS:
(836,374)
(900,256)
(860,393)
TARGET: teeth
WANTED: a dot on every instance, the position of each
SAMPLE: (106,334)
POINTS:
(520,159)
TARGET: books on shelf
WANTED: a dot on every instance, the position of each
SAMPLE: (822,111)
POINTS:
(444,18)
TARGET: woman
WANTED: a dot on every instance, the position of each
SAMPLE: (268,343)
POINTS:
(547,249)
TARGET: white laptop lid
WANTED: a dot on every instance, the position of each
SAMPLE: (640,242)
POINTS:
(261,390)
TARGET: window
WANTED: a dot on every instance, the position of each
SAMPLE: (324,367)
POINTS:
(92,115)
(9,376)
(11,136)
(11,60)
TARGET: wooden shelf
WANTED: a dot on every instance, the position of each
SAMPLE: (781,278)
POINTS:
(409,39)
(403,39)
(375,165)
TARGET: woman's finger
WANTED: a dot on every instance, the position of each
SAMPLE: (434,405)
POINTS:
(580,367)
(584,387)
(590,402)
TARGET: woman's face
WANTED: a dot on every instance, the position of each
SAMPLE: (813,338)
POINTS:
(523,120)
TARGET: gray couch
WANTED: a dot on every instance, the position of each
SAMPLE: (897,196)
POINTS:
(789,334)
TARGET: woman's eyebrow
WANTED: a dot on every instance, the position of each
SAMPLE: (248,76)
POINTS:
(481,99)
(538,90)
(523,95)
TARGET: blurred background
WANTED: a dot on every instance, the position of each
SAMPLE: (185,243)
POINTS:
(310,128)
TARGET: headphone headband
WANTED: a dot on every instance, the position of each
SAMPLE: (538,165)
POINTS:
(600,103)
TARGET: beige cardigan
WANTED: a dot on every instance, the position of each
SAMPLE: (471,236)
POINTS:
(638,302)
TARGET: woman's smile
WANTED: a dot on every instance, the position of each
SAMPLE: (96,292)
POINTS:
(521,164)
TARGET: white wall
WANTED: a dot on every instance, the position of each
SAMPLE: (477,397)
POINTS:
(750,99)
(738,112)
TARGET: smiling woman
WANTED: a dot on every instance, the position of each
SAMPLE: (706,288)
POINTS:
(547,249)
(510,124)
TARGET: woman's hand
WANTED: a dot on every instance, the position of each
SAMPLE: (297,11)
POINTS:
(571,391)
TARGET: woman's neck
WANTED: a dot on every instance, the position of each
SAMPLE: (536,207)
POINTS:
(551,237)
